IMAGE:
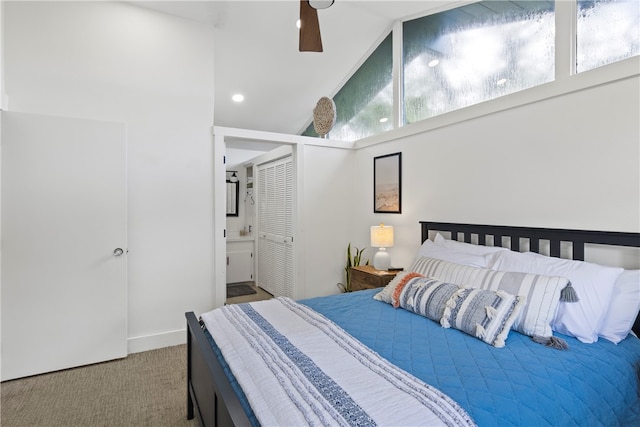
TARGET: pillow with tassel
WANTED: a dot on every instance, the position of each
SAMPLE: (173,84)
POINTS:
(542,293)
(582,312)
(486,315)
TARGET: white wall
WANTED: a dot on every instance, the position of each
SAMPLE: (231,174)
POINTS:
(333,184)
(117,62)
(572,161)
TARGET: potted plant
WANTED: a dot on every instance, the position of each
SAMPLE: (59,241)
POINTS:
(353,260)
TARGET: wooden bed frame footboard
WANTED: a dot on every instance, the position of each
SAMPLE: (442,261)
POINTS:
(210,397)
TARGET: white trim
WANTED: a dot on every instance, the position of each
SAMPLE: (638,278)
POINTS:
(219,222)
(397,75)
(565,43)
(625,69)
(280,138)
(299,253)
(152,342)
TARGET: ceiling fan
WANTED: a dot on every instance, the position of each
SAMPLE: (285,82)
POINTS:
(310,40)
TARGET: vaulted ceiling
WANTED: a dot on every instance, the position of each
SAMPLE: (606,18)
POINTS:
(256,54)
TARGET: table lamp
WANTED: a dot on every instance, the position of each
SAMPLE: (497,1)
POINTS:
(382,238)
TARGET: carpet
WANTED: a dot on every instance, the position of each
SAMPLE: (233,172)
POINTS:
(143,389)
(240,290)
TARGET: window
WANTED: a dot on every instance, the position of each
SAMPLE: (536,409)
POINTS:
(364,105)
(475,53)
(481,51)
(607,31)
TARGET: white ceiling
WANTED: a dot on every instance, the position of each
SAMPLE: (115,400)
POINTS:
(256,54)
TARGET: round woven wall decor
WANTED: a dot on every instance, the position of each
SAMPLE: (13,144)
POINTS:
(324,116)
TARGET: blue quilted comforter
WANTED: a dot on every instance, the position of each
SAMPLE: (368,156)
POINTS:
(522,384)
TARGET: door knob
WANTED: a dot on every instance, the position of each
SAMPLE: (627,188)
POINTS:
(117,252)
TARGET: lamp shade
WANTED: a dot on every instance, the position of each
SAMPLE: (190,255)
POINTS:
(382,236)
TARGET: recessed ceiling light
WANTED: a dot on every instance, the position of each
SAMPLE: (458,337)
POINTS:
(238,97)
(501,82)
(384,120)
(433,62)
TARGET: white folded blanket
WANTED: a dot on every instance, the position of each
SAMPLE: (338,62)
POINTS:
(297,367)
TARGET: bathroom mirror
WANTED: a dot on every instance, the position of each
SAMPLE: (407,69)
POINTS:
(233,192)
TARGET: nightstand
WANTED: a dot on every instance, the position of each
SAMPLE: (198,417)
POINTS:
(367,277)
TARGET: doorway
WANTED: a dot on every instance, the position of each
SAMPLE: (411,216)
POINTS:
(245,233)
(225,139)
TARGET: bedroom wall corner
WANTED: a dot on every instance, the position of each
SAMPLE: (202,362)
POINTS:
(331,183)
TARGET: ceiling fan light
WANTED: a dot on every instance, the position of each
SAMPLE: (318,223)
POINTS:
(320,4)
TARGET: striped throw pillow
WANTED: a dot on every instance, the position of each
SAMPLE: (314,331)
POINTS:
(484,314)
(541,293)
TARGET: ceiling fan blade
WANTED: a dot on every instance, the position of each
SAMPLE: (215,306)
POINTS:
(310,40)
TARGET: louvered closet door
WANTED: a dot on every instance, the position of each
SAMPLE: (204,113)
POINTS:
(275,227)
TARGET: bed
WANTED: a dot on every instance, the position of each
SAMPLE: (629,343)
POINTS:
(527,377)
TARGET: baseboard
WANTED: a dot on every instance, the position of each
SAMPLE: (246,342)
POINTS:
(152,342)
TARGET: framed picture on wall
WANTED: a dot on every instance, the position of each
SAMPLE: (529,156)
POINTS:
(387,183)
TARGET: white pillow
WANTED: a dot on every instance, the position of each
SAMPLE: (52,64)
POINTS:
(593,284)
(466,247)
(623,308)
(431,250)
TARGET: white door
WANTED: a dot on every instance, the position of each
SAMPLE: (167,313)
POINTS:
(64,272)
(275,227)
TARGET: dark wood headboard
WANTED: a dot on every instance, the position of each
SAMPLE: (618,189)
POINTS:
(507,236)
